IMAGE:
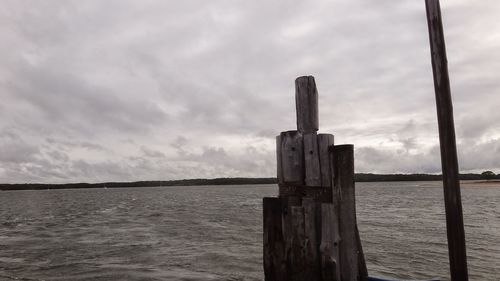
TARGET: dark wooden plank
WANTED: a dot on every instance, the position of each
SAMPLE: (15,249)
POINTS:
(298,266)
(274,243)
(289,190)
(333,174)
(312,235)
(306,101)
(311,160)
(286,212)
(343,156)
(324,143)
(287,204)
(279,171)
(449,161)
(292,157)
(320,194)
(329,246)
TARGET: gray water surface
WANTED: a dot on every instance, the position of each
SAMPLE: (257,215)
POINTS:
(215,232)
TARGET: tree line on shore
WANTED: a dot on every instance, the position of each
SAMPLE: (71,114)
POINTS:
(360,177)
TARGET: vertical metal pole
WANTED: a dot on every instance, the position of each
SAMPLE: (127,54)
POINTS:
(449,162)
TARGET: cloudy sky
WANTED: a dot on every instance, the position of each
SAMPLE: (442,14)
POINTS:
(148,90)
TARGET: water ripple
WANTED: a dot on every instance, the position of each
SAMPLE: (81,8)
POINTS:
(215,232)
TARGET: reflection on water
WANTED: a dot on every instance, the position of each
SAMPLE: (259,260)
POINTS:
(215,232)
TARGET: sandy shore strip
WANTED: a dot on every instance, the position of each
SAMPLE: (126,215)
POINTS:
(480,183)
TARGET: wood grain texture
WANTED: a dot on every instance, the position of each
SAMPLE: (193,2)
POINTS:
(289,190)
(292,157)
(288,233)
(333,174)
(287,204)
(312,224)
(329,246)
(449,161)
(306,101)
(344,182)
(279,171)
(298,270)
(274,243)
(312,160)
(324,143)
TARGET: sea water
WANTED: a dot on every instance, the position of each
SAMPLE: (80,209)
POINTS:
(215,232)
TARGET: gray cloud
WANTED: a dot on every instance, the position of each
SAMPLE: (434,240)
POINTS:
(370,159)
(65,101)
(14,149)
(152,153)
(122,90)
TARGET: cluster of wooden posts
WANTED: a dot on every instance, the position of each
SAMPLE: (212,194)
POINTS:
(310,230)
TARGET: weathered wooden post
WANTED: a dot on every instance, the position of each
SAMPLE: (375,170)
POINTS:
(310,231)
(449,161)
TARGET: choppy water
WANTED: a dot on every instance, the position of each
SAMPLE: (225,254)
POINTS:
(215,232)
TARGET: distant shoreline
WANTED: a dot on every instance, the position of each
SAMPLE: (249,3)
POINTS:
(360,177)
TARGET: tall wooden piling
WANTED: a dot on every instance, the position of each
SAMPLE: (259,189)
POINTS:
(343,188)
(449,161)
(306,102)
(310,231)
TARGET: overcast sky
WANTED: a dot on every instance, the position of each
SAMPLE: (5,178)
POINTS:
(157,90)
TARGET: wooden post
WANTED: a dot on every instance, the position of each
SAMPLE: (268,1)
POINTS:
(279,171)
(325,141)
(274,244)
(310,231)
(292,157)
(298,267)
(312,160)
(343,158)
(306,101)
(312,235)
(330,239)
(449,161)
